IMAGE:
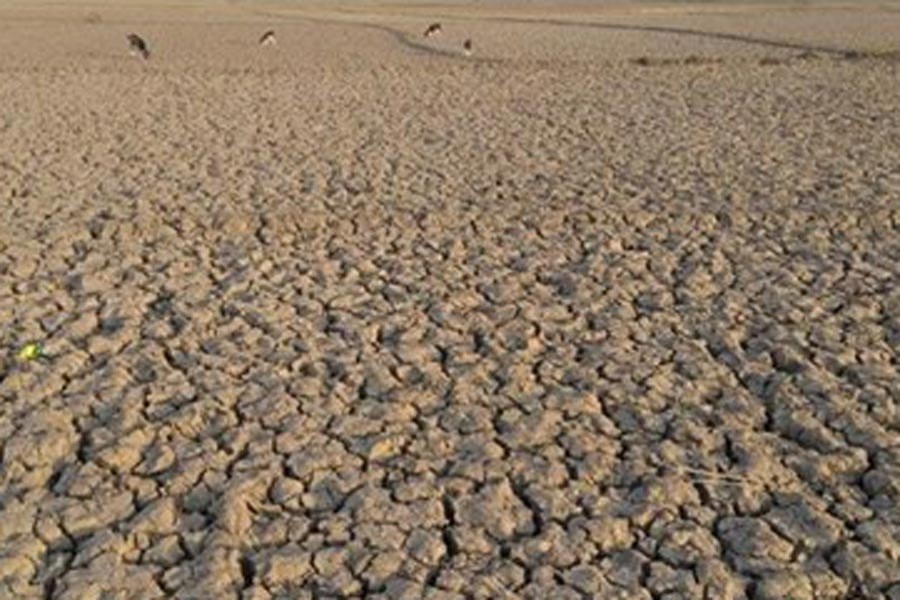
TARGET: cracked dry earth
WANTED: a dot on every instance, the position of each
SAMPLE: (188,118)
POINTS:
(356,317)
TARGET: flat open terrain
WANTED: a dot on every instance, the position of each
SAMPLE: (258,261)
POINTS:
(609,309)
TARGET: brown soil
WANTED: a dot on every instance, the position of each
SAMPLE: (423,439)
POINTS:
(609,309)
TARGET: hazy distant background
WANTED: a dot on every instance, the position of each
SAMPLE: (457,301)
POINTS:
(467,3)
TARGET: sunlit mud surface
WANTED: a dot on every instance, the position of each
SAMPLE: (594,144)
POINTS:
(608,309)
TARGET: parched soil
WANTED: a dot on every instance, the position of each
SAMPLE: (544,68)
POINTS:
(609,309)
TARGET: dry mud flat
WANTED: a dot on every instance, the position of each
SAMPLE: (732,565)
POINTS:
(600,313)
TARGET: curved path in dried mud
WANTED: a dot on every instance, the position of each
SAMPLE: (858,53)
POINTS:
(610,317)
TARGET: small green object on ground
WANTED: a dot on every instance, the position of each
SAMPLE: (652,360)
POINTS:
(32,351)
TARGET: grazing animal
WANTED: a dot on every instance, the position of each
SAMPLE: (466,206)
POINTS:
(268,38)
(467,47)
(433,29)
(138,46)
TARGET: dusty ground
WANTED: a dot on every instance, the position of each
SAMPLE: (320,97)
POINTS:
(609,310)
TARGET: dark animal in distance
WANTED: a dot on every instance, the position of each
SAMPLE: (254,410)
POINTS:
(268,38)
(433,29)
(467,47)
(138,46)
